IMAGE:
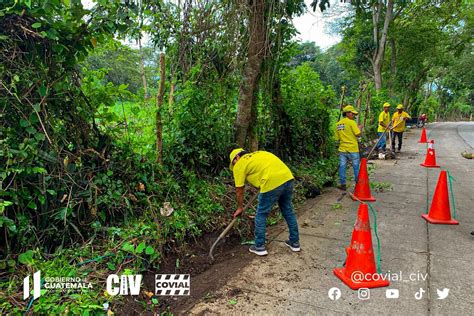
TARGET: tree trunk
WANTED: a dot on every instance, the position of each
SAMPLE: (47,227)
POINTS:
(142,69)
(367,108)
(393,65)
(406,100)
(171,95)
(362,87)
(159,104)
(257,31)
(379,52)
(253,131)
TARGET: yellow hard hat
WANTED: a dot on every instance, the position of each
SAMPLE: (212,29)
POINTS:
(400,107)
(386,104)
(232,156)
(349,108)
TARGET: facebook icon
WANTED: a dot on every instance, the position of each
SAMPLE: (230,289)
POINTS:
(334,293)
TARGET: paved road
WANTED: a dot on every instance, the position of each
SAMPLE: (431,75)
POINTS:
(434,256)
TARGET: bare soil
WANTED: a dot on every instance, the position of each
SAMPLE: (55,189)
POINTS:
(207,276)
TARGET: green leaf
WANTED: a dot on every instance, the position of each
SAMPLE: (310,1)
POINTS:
(16,78)
(40,137)
(26,257)
(36,107)
(36,25)
(128,247)
(51,192)
(42,199)
(232,302)
(24,123)
(62,213)
(32,205)
(31,130)
(111,266)
(102,216)
(154,301)
(42,91)
(9,223)
(39,170)
(140,247)
(149,250)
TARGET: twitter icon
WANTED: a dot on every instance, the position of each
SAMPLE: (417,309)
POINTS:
(442,294)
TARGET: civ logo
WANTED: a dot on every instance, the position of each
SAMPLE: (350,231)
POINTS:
(36,286)
(125,285)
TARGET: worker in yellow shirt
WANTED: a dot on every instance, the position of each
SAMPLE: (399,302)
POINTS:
(347,133)
(384,121)
(398,122)
(266,172)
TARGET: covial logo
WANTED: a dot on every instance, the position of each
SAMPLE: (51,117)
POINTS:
(172,284)
(36,286)
(334,293)
(125,285)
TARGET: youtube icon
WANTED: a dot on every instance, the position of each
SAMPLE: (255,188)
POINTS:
(392,293)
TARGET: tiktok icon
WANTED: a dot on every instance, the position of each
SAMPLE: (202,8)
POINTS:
(419,294)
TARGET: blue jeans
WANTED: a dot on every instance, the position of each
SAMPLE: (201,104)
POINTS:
(382,144)
(343,157)
(283,195)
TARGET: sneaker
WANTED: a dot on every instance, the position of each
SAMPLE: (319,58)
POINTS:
(293,246)
(260,251)
(342,187)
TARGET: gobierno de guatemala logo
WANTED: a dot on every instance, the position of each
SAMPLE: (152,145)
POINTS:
(58,283)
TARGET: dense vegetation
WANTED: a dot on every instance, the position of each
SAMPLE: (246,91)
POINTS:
(100,141)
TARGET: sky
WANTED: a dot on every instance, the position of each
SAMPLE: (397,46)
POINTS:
(313,26)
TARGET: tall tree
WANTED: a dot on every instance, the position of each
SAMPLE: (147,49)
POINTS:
(255,55)
(142,69)
(380,37)
(159,105)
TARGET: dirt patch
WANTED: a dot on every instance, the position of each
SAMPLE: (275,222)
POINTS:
(206,276)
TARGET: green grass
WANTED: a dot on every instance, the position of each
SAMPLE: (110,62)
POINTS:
(381,186)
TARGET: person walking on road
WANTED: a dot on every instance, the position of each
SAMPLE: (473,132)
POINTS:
(384,121)
(347,133)
(273,178)
(398,122)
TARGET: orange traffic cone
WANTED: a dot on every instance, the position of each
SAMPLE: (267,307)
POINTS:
(440,212)
(359,271)
(362,188)
(430,160)
(423,138)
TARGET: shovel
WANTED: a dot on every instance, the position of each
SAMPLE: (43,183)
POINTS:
(226,230)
